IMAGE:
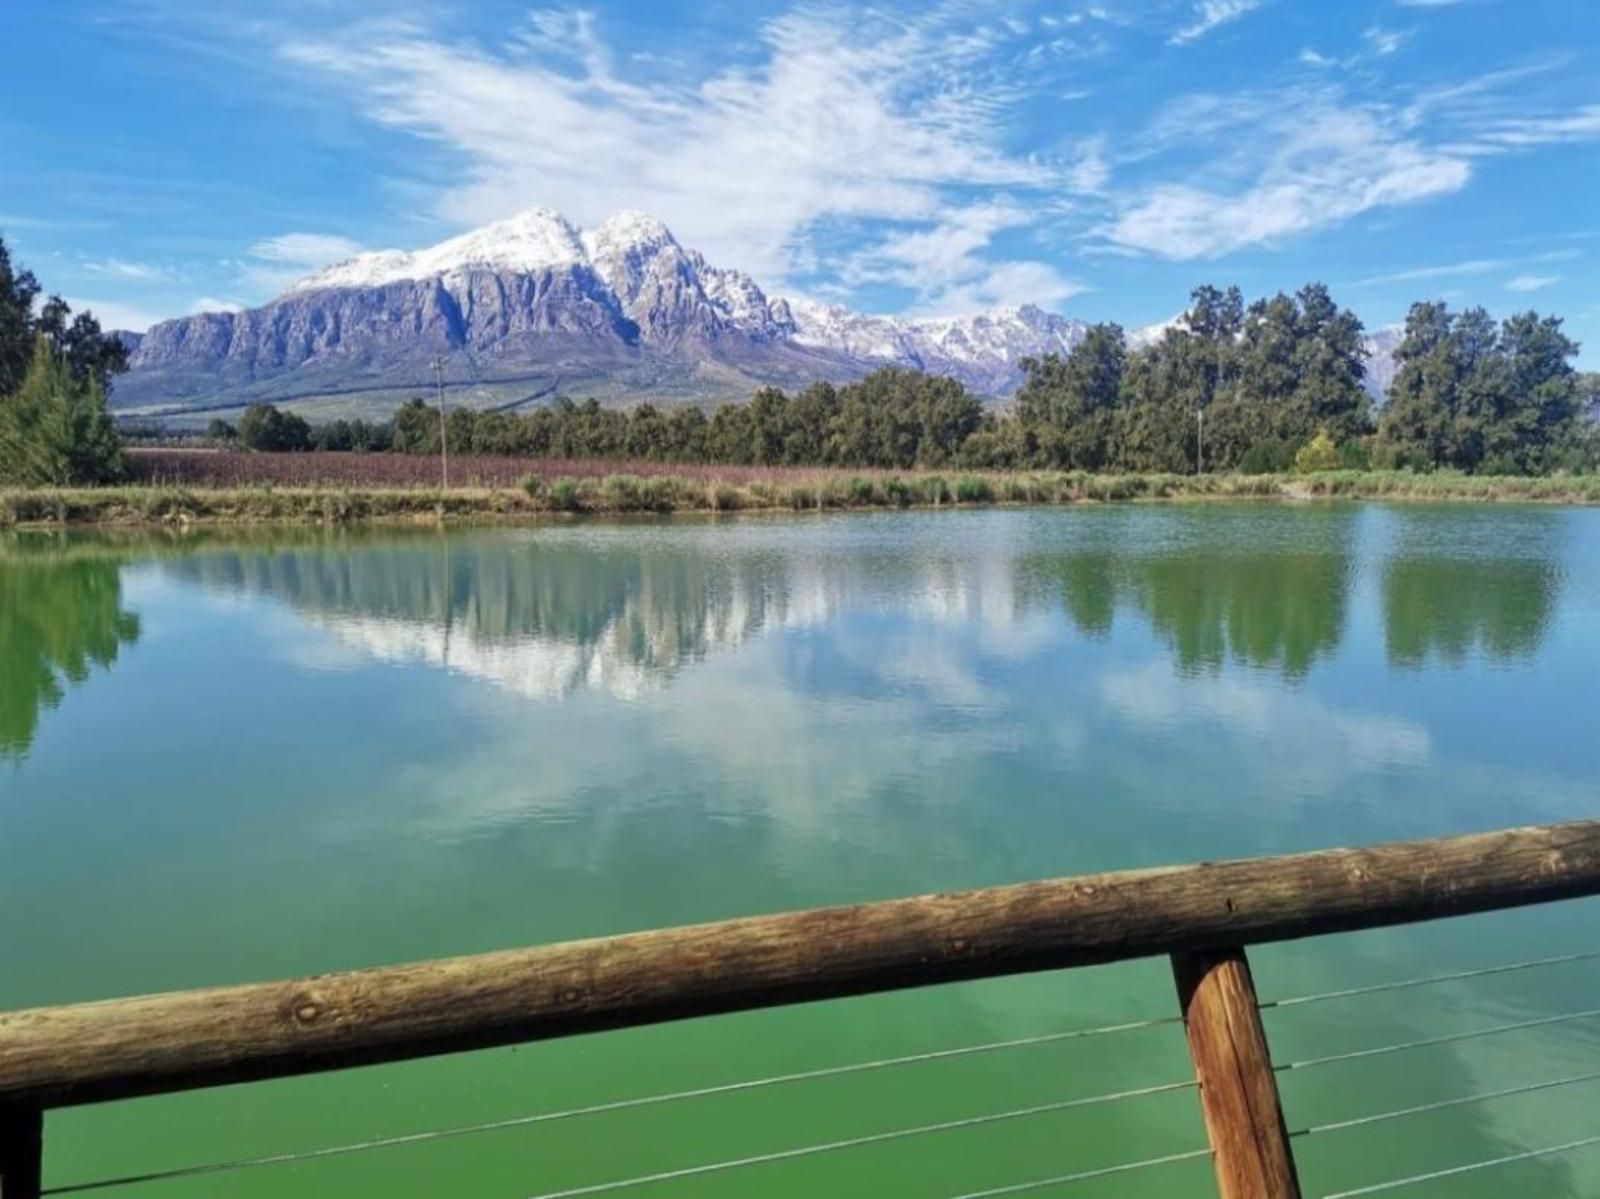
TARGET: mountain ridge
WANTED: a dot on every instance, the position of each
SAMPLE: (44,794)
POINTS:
(533,306)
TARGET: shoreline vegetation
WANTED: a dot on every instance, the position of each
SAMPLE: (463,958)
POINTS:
(709,490)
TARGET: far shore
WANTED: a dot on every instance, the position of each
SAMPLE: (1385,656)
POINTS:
(542,497)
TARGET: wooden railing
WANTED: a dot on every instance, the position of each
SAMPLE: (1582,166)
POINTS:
(1203,916)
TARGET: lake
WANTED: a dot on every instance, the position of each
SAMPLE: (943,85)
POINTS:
(228,757)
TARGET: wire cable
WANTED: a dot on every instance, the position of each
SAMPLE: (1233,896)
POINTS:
(1440,1105)
(1525,1155)
(1017,1188)
(875,1138)
(1429,980)
(618,1105)
(1448,1038)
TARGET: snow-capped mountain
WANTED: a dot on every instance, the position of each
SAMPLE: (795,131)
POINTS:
(533,307)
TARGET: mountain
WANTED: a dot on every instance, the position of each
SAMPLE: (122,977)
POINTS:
(533,307)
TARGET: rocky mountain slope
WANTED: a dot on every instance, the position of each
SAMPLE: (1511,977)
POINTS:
(532,307)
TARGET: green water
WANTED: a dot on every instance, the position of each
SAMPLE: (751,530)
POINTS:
(224,760)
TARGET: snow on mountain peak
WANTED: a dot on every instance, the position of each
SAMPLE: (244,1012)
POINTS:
(627,230)
(531,240)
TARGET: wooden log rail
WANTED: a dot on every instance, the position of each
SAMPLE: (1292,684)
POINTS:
(1202,915)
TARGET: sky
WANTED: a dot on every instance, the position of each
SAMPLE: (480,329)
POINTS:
(163,157)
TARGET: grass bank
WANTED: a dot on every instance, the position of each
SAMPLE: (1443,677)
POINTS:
(797,492)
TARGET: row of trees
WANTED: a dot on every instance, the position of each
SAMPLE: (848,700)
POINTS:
(1270,386)
(55,370)
(893,418)
(269,429)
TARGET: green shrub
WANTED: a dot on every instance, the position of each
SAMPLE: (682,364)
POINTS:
(621,493)
(974,491)
(1272,457)
(1355,455)
(564,496)
(860,492)
(898,492)
(1318,454)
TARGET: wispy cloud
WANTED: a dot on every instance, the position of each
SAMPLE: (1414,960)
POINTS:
(1531,282)
(275,263)
(305,249)
(835,117)
(1526,131)
(950,268)
(1470,266)
(1208,14)
(121,269)
(214,304)
(1325,162)
(1384,42)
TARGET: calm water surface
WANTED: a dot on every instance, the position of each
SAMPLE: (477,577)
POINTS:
(224,760)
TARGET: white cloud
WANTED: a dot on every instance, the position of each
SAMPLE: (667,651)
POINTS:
(305,249)
(1384,41)
(1208,14)
(118,268)
(1521,132)
(1531,282)
(273,264)
(838,117)
(214,304)
(1004,285)
(947,266)
(1327,164)
(1312,59)
(1471,266)
(114,314)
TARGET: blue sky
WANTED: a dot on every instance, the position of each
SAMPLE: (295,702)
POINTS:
(1100,159)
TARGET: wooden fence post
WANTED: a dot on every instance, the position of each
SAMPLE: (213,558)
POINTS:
(21,1152)
(1238,1091)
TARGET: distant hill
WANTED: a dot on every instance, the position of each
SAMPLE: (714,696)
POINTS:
(532,307)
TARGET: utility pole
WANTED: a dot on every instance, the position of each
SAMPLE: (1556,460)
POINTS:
(1199,441)
(444,427)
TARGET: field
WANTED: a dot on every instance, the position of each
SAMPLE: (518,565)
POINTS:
(230,468)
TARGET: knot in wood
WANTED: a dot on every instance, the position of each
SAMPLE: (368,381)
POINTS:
(306,1009)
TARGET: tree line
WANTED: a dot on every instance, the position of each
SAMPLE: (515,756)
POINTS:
(1273,385)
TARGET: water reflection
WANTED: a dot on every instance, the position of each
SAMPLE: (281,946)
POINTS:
(1281,608)
(1452,587)
(626,608)
(61,616)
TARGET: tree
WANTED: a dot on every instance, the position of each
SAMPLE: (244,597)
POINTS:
(78,340)
(1066,407)
(265,428)
(220,431)
(55,430)
(416,428)
(1479,397)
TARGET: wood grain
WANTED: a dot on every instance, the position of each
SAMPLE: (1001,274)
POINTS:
(140,1046)
(1238,1090)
